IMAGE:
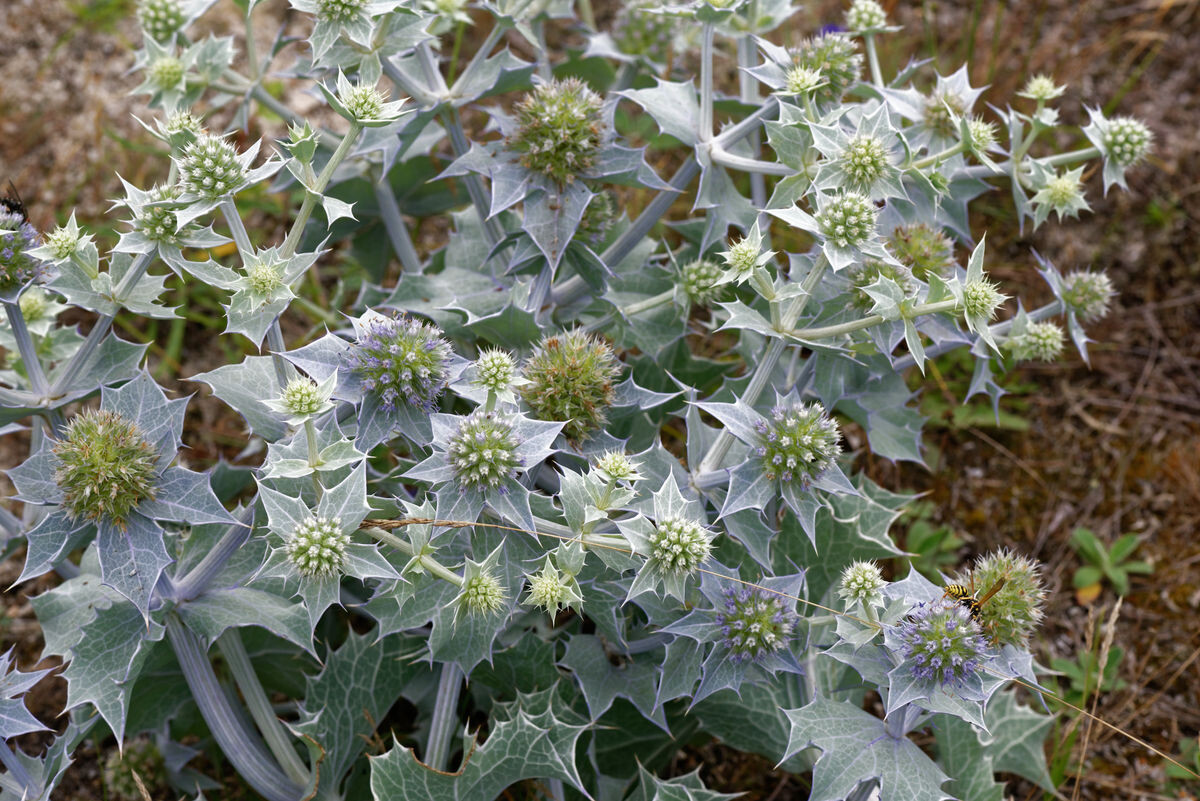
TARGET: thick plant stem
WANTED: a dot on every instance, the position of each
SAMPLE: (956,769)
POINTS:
(397,230)
(17,770)
(242,747)
(136,270)
(29,357)
(873,60)
(748,90)
(827,331)
(475,188)
(706,82)
(766,365)
(234,651)
(445,716)
(201,576)
(236,227)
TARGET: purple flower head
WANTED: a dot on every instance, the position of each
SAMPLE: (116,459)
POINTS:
(942,642)
(17,238)
(402,359)
(798,443)
(754,623)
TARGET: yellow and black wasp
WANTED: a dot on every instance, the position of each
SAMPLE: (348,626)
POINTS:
(966,596)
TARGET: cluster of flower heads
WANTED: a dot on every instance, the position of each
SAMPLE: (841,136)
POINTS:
(402,359)
(942,643)
(105,466)
(483,452)
(317,547)
(560,127)
(798,443)
(569,378)
(17,238)
(754,623)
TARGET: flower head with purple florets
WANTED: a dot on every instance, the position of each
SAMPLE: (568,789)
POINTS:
(17,239)
(942,643)
(754,623)
(404,360)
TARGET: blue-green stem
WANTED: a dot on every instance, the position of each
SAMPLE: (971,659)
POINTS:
(17,771)
(236,227)
(136,270)
(397,229)
(1052,309)
(755,167)
(423,96)
(873,60)
(276,346)
(828,331)
(312,193)
(1071,157)
(200,577)
(241,746)
(475,188)
(314,456)
(435,568)
(445,716)
(706,82)
(29,357)
(231,647)
(748,89)
(766,364)
(937,158)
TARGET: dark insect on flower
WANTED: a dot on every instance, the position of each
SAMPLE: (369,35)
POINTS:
(966,596)
(12,203)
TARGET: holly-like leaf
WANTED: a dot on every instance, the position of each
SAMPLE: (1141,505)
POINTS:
(532,737)
(243,387)
(15,719)
(602,682)
(187,497)
(132,557)
(210,614)
(351,696)
(1018,734)
(857,747)
(107,660)
(674,106)
(965,760)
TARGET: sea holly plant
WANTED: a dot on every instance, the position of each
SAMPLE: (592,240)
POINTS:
(595,480)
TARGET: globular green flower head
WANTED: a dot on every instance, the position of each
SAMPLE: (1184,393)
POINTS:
(678,545)
(862,584)
(835,58)
(483,452)
(339,10)
(105,466)
(847,220)
(317,547)
(638,32)
(156,220)
(570,379)
(17,241)
(1088,294)
(139,756)
(210,168)
(1041,341)
(700,281)
(1014,612)
(560,128)
(403,359)
(798,443)
(923,249)
(160,19)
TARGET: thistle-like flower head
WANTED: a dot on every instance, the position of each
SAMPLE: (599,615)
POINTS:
(210,168)
(615,466)
(861,584)
(835,57)
(869,272)
(1061,193)
(551,589)
(339,10)
(942,644)
(560,129)
(754,623)
(1042,341)
(678,546)
(105,466)
(700,281)
(483,451)
(1127,140)
(495,370)
(156,220)
(569,378)
(866,16)
(317,547)
(1041,87)
(639,32)
(1088,294)
(923,249)
(302,399)
(482,592)
(847,220)
(1015,610)
(140,756)
(18,240)
(160,19)
(403,360)
(798,443)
